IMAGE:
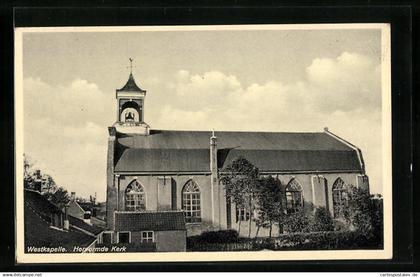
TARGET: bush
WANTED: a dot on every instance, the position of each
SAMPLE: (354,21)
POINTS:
(297,222)
(377,219)
(365,214)
(322,220)
(297,241)
(222,236)
(341,225)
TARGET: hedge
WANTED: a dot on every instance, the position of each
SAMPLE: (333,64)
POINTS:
(297,241)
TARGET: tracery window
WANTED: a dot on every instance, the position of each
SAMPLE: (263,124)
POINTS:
(135,197)
(191,202)
(294,196)
(340,197)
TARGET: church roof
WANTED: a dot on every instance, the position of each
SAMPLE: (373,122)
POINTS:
(149,221)
(131,85)
(188,151)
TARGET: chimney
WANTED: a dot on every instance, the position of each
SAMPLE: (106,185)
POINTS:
(37,185)
(38,174)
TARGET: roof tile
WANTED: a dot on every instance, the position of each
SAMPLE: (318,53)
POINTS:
(149,221)
(188,151)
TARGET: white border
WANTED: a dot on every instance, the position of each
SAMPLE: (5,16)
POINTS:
(386,253)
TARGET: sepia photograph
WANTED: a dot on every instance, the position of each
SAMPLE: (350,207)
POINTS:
(203,143)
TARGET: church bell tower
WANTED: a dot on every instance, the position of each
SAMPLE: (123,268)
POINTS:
(130,107)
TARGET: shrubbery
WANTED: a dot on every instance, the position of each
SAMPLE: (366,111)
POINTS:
(222,236)
(297,222)
(363,214)
(322,220)
(264,197)
(305,221)
(296,241)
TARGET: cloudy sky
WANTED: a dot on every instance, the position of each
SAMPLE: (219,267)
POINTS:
(253,80)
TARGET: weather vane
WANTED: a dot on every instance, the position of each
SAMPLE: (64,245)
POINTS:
(131,65)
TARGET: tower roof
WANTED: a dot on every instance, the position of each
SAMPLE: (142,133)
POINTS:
(131,85)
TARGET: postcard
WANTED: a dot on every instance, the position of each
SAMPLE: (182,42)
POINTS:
(203,143)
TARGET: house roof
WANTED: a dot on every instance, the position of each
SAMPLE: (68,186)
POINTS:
(74,204)
(149,221)
(38,202)
(38,233)
(188,151)
(86,206)
(95,230)
(131,85)
(37,222)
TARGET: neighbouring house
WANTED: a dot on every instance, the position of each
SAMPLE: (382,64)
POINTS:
(86,211)
(101,211)
(163,231)
(46,225)
(39,182)
(165,170)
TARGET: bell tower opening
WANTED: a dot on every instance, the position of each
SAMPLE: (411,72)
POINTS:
(130,111)
(130,107)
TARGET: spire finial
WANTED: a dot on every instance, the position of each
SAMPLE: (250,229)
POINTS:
(212,133)
(131,65)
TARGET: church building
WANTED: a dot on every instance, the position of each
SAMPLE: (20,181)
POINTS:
(151,170)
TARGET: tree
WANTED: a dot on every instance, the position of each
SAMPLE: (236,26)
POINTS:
(36,180)
(358,210)
(365,214)
(270,204)
(48,185)
(28,180)
(377,218)
(322,220)
(240,179)
(298,221)
(60,197)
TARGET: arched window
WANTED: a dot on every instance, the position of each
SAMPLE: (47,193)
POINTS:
(130,111)
(294,196)
(135,197)
(191,202)
(340,197)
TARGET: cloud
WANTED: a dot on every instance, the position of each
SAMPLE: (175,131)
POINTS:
(65,132)
(347,83)
(66,125)
(342,93)
(72,104)
(344,83)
